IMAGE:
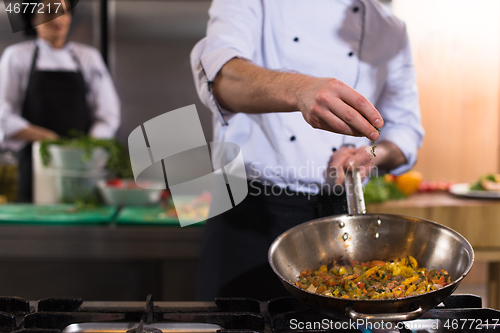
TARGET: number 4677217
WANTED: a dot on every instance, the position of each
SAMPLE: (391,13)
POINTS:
(33,7)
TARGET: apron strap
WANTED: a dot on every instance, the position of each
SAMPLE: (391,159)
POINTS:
(33,62)
(73,56)
(79,67)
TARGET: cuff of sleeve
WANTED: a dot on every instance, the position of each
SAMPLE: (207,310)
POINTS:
(407,142)
(14,125)
(101,130)
(211,64)
(213,61)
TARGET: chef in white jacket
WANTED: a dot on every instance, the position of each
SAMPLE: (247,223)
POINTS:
(299,85)
(49,87)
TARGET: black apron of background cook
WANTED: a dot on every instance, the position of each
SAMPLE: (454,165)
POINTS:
(55,100)
(235,244)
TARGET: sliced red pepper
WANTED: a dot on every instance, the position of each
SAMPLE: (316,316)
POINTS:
(117,182)
(332,283)
(378,263)
(354,262)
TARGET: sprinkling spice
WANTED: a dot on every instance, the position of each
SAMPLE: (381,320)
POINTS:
(373,143)
(373,148)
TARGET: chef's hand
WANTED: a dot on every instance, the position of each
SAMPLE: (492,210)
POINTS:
(34,133)
(325,103)
(385,155)
(332,105)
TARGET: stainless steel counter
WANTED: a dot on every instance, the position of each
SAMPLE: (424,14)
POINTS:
(99,242)
(99,263)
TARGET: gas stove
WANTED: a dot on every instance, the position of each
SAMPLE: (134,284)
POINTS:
(458,313)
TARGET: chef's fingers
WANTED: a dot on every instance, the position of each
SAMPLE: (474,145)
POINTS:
(46,134)
(354,118)
(332,108)
(363,160)
(361,115)
(337,166)
(339,153)
(330,122)
(36,133)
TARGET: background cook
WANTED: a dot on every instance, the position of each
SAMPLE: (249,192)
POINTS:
(51,86)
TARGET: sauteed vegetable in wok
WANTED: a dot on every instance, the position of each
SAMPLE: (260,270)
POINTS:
(373,279)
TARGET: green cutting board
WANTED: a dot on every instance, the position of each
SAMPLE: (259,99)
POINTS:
(148,216)
(55,214)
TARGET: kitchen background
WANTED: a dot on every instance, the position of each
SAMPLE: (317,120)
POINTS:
(149,44)
(456,45)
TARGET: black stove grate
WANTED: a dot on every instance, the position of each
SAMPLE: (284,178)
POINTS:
(235,315)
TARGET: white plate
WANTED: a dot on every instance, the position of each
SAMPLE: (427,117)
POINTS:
(463,191)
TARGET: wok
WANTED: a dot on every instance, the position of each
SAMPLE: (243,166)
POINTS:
(363,237)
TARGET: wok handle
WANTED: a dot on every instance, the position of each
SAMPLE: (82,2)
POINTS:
(402,316)
(354,193)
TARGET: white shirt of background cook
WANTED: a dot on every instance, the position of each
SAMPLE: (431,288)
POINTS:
(354,41)
(15,66)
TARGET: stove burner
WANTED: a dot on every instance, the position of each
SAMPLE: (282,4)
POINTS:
(15,305)
(456,307)
(59,304)
(144,329)
(151,330)
(225,315)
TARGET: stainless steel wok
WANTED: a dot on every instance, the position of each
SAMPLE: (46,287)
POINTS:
(364,237)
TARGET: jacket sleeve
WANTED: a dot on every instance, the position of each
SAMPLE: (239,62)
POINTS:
(234,31)
(105,103)
(399,107)
(11,101)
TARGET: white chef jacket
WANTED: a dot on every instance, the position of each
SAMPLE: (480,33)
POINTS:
(354,41)
(15,66)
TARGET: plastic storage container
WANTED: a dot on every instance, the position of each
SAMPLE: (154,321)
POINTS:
(72,186)
(128,194)
(69,158)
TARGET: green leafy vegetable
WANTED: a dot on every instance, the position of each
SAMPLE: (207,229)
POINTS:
(378,190)
(118,163)
(477,186)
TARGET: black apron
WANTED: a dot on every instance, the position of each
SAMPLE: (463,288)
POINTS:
(234,261)
(55,100)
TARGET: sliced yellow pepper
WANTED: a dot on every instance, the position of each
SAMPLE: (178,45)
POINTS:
(411,280)
(367,274)
(411,289)
(407,271)
(413,262)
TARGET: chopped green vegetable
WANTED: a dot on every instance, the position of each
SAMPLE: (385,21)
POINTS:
(89,203)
